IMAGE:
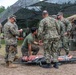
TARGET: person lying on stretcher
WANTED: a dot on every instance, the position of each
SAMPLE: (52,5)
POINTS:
(33,57)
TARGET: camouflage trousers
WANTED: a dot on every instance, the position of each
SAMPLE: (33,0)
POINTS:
(64,43)
(35,50)
(11,51)
(50,50)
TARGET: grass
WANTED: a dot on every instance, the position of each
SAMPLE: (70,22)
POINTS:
(2,50)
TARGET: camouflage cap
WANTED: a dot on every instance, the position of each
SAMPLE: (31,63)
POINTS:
(54,16)
(12,16)
(59,13)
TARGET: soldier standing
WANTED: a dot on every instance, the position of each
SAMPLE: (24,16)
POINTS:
(73,35)
(61,32)
(10,33)
(73,30)
(67,25)
(0,33)
(48,33)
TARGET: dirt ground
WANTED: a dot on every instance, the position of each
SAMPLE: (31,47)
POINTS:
(66,69)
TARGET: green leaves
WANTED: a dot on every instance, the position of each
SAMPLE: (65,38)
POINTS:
(2,8)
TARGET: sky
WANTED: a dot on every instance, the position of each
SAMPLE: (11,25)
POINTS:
(61,1)
(7,3)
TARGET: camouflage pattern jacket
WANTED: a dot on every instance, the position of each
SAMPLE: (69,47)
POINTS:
(67,24)
(10,33)
(61,28)
(48,29)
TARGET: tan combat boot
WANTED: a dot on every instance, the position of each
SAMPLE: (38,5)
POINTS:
(11,65)
(16,57)
(7,63)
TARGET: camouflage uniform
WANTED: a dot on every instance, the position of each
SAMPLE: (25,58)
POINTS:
(73,36)
(0,34)
(48,33)
(73,32)
(65,38)
(10,33)
(61,32)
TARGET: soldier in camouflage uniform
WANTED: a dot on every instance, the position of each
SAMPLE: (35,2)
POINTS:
(73,36)
(48,33)
(10,33)
(61,31)
(67,25)
(0,33)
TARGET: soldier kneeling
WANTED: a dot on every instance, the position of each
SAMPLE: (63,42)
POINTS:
(30,46)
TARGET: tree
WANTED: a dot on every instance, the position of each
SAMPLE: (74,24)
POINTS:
(69,2)
(2,8)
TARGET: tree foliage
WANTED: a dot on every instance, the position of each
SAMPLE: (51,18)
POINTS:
(2,8)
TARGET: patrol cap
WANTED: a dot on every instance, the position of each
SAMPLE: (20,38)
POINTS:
(59,13)
(54,16)
(45,12)
(12,16)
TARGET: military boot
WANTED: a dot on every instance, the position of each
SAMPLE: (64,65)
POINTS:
(11,65)
(7,63)
(56,65)
(16,57)
(67,53)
